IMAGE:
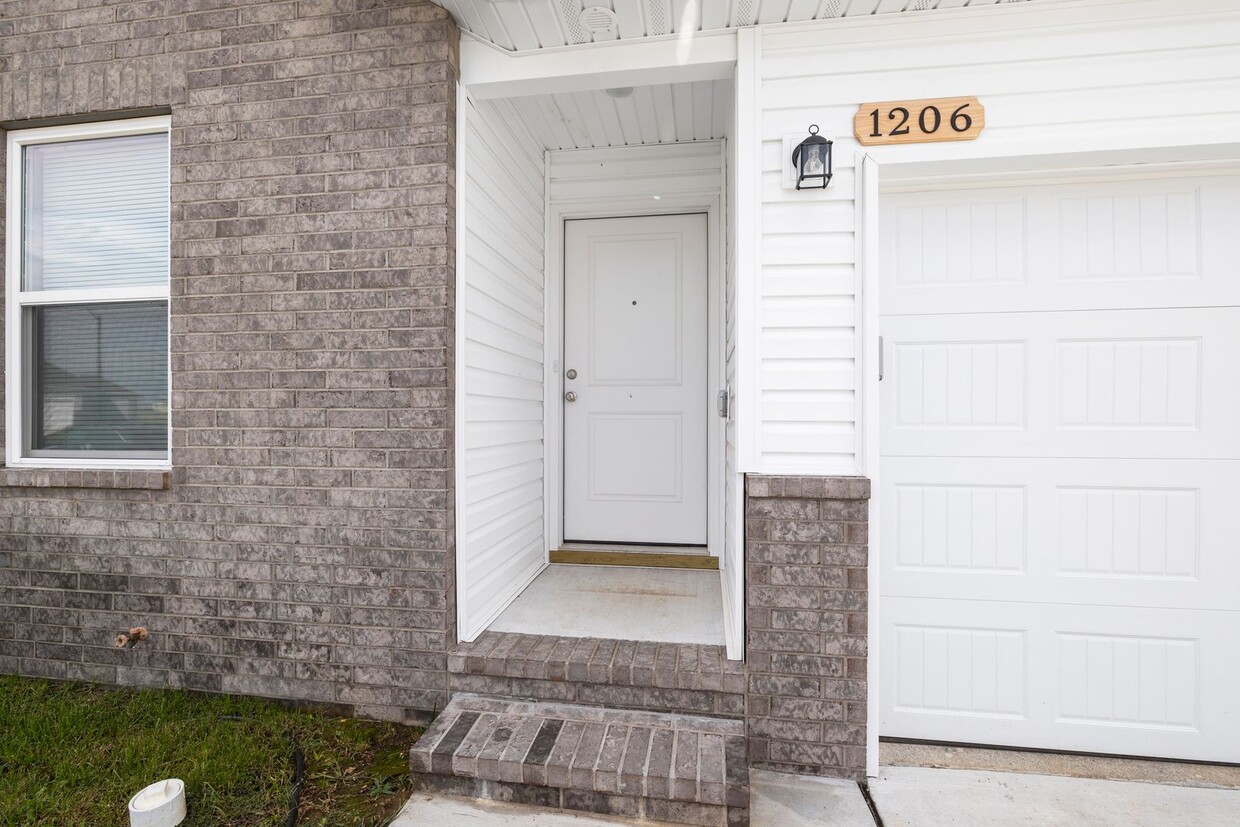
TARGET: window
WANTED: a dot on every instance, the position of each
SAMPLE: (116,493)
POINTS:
(87,295)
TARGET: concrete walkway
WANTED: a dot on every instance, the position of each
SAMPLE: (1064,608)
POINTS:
(778,801)
(919,797)
(905,797)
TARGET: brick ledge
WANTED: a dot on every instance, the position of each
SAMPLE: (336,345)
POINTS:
(146,480)
(807,487)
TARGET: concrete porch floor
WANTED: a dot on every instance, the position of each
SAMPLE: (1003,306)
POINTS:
(905,797)
(664,605)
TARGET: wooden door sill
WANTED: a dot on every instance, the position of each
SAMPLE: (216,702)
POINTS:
(650,559)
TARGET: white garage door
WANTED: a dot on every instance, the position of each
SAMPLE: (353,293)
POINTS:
(1060,480)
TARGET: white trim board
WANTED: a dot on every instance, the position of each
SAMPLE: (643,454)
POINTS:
(492,73)
(868,366)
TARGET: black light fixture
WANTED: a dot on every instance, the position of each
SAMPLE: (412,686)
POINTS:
(812,161)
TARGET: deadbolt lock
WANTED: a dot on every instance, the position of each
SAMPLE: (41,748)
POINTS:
(572,374)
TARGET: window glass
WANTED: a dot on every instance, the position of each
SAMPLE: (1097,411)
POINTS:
(95,213)
(99,378)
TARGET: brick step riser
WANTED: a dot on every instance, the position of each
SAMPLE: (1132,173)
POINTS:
(649,699)
(583,801)
(675,768)
(692,679)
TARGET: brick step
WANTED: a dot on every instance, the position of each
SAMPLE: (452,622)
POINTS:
(679,769)
(693,679)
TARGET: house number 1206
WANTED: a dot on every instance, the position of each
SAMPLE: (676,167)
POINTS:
(919,121)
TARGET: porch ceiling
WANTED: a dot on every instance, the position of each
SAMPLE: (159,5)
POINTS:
(524,25)
(660,114)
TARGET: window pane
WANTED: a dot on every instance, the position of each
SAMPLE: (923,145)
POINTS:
(96,213)
(100,377)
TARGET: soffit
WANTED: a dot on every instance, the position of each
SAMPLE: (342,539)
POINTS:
(659,114)
(525,25)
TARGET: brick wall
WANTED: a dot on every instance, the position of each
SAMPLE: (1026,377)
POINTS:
(805,617)
(303,545)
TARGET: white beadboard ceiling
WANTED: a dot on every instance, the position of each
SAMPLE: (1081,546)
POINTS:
(661,114)
(522,25)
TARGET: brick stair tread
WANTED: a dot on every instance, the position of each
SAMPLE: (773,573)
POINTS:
(636,663)
(652,755)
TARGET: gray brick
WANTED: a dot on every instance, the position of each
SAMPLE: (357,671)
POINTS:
(806,596)
(281,364)
(599,760)
(499,663)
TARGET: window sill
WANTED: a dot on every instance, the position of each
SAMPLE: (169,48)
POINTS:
(145,480)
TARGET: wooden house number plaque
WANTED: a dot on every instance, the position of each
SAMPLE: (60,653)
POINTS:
(919,121)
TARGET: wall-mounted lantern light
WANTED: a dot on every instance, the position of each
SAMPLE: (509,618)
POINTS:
(812,161)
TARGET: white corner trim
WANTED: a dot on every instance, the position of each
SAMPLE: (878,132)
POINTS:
(748,241)
(463,633)
(868,422)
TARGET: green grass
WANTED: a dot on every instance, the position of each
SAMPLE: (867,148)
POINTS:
(73,754)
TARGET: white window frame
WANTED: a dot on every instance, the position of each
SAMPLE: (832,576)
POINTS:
(17,300)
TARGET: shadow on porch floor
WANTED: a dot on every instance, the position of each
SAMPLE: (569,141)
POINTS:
(664,605)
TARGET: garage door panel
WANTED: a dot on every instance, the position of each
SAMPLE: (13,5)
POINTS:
(1119,680)
(1100,383)
(1157,533)
(1060,459)
(1162,242)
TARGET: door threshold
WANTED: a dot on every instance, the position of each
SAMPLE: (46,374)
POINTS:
(620,556)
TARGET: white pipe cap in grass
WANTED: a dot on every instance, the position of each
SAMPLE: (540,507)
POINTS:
(160,805)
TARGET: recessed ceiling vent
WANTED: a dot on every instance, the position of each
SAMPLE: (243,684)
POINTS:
(597,19)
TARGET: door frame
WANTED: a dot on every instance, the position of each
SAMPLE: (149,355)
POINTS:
(553,376)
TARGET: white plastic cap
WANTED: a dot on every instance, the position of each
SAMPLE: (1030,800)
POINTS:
(160,805)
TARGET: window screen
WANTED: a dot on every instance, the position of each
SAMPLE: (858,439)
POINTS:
(100,377)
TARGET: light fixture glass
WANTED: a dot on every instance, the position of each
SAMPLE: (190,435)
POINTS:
(620,91)
(811,161)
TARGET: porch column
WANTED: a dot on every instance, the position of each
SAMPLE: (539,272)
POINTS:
(805,620)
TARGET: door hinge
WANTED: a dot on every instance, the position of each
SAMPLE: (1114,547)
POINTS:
(723,399)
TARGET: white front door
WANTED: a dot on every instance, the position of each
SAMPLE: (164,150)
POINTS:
(635,390)
(1061,461)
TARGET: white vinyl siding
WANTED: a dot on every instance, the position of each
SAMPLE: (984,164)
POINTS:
(87,285)
(501,537)
(1055,79)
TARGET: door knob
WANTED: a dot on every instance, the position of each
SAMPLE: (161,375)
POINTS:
(571,396)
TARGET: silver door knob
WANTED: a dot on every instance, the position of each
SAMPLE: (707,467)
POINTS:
(570,397)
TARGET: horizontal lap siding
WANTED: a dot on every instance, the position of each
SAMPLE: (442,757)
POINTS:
(1053,79)
(502,539)
(806,313)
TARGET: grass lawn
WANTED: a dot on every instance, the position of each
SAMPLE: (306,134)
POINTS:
(73,754)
